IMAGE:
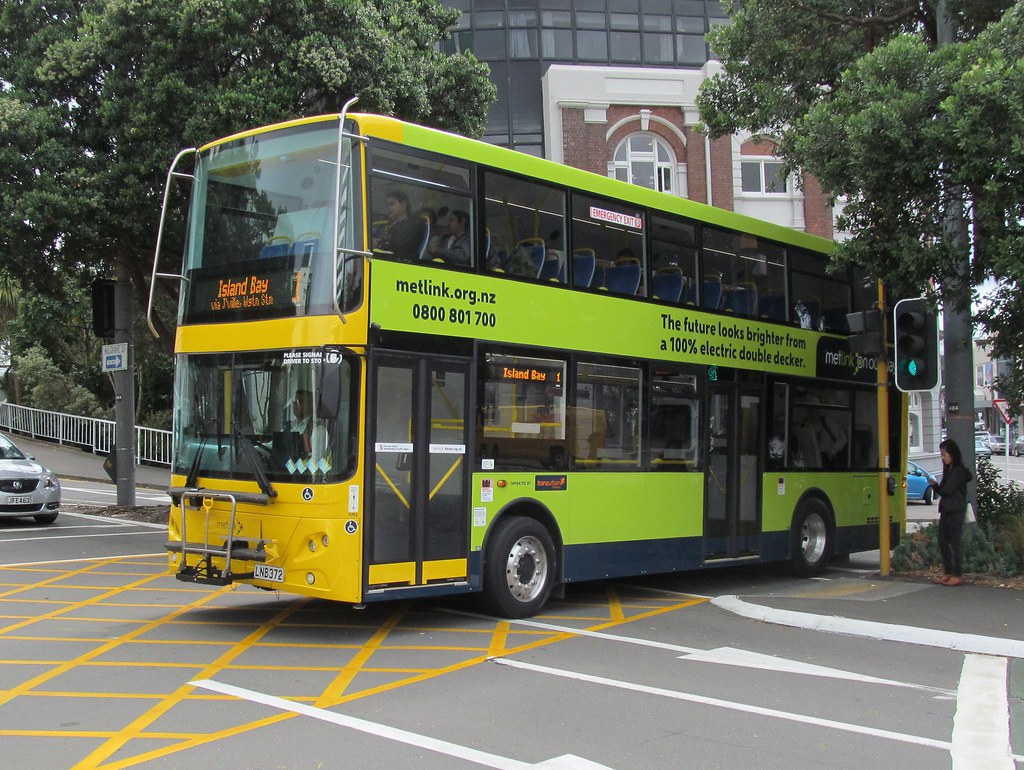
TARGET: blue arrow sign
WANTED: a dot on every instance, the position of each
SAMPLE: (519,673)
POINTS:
(114,357)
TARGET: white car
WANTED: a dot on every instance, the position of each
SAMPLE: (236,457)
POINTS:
(26,487)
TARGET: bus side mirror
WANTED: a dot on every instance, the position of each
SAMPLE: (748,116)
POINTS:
(329,388)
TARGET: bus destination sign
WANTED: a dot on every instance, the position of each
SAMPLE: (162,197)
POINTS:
(263,293)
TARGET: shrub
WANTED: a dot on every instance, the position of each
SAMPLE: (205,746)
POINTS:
(998,502)
(919,551)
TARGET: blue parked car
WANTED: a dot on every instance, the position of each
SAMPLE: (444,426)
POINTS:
(919,484)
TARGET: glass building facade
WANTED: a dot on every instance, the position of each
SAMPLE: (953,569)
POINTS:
(519,39)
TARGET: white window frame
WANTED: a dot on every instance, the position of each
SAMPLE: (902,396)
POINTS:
(762,162)
(664,170)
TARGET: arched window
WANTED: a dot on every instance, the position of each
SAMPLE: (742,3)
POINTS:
(646,160)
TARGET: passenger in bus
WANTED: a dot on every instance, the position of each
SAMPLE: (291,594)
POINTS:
(777,444)
(456,248)
(302,423)
(434,239)
(403,233)
(832,440)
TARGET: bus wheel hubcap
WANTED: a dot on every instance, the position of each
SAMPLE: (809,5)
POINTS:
(526,569)
(813,538)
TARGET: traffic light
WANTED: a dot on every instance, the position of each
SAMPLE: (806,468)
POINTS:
(866,333)
(103,291)
(917,345)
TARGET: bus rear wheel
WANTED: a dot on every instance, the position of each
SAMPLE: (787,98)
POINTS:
(811,545)
(520,569)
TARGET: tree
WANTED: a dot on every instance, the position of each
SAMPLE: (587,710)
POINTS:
(96,98)
(859,96)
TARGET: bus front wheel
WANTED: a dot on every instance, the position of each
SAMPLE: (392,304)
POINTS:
(520,569)
(811,538)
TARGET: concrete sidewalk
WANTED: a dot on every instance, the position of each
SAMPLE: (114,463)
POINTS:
(70,462)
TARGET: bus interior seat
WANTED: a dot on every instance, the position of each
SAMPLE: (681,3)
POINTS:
(712,292)
(623,279)
(553,268)
(584,262)
(527,258)
(279,246)
(424,237)
(833,319)
(668,285)
(306,245)
(742,300)
(773,306)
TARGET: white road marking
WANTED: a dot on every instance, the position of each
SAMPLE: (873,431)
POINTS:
(981,725)
(890,632)
(734,706)
(727,656)
(112,521)
(565,762)
(736,657)
(119,557)
(70,537)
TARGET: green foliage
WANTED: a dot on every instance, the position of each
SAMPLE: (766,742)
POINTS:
(998,502)
(98,97)
(919,551)
(860,96)
(995,546)
(44,386)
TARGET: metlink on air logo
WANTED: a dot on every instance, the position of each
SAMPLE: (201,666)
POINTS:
(855,362)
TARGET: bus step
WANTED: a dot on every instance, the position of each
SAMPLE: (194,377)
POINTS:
(239,552)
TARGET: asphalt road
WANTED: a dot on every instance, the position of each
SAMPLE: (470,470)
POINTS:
(108,662)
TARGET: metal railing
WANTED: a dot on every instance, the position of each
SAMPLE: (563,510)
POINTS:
(152,446)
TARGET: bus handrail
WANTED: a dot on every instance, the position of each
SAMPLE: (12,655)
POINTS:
(337,199)
(171,173)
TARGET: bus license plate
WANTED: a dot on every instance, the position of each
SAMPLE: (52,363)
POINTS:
(19,500)
(268,573)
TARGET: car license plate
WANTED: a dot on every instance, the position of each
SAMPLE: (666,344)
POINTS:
(19,500)
(268,573)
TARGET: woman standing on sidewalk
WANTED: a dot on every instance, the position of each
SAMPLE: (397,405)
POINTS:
(952,508)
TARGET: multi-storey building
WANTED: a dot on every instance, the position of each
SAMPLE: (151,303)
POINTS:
(610,86)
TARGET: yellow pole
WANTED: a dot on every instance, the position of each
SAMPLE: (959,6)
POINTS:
(882,368)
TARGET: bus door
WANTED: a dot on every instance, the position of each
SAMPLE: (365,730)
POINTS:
(416,521)
(732,524)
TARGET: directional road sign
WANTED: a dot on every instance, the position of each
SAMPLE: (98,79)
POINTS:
(114,358)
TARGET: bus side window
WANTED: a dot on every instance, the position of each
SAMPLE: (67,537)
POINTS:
(525,221)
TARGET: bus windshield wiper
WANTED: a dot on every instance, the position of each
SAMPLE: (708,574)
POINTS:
(197,461)
(245,446)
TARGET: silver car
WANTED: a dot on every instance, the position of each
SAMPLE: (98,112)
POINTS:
(26,487)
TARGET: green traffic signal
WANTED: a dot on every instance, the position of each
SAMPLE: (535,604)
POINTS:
(917,348)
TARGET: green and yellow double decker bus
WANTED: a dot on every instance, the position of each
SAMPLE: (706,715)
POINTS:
(411,364)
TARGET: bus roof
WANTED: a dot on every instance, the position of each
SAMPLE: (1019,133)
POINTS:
(436,140)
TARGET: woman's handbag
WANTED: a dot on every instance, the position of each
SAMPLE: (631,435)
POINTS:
(969,517)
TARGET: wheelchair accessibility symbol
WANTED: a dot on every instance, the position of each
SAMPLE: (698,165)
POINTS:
(351,526)
(307,494)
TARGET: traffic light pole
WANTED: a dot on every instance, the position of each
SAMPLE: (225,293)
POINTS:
(124,394)
(882,395)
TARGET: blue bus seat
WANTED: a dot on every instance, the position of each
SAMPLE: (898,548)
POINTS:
(623,279)
(742,300)
(421,250)
(712,292)
(773,307)
(279,246)
(584,262)
(553,268)
(668,285)
(306,245)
